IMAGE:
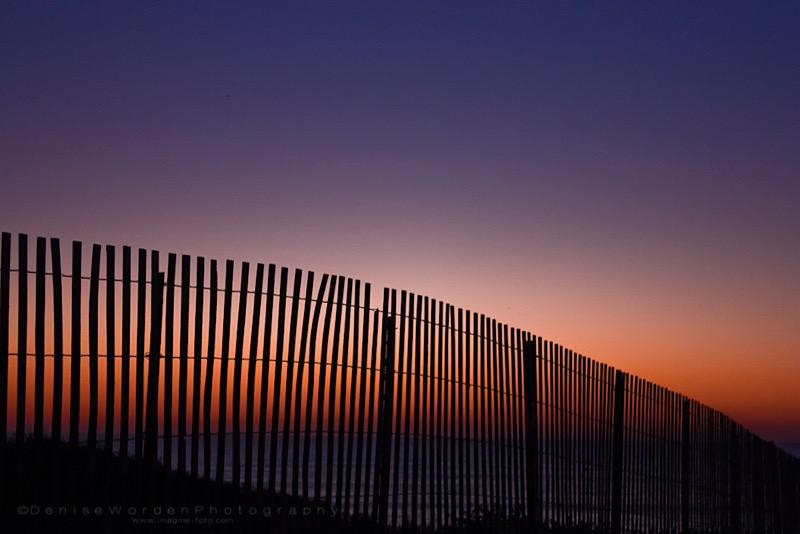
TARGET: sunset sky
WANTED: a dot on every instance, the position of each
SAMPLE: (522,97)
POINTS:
(622,178)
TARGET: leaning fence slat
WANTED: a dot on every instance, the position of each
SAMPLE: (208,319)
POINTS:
(94,295)
(301,368)
(352,402)
(236,399)
(396,419)
(252,363)
(183,370)
(277,380)
(58,342)
(311,384)
(330,401)
(168,356)
(290,379)
(262,425)
(222,411)
(341,411)
(210,357)
(141,290)
(319,429)
(362,403)
(197,364)
(362,375)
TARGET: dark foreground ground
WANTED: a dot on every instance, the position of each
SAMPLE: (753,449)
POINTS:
(51,487)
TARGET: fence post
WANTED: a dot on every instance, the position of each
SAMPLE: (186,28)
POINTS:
(616,465)
(685,470)
(385,422)
(531,433)
(151,410)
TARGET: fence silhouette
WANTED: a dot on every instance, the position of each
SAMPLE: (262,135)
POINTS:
(411,412)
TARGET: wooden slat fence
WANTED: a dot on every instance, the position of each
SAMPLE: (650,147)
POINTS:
(410,412)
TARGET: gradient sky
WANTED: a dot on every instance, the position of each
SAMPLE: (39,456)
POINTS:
(620,177)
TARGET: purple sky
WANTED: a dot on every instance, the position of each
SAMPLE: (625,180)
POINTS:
(622,178)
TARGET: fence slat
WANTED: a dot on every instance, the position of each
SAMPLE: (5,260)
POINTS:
(210,364)
(183,369)
(38,388)
(197,371)
(290,379)
(374,412)
(341,411)
(168,357)
(262,425)
(141,303)
(94,322)
(362,403)
(111,375)
(352,401)
(301,368)
(22,336)
(236,399)
(125,386)
(222,411)
(252,364)
(277,380)
(330,401)
(311,384)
